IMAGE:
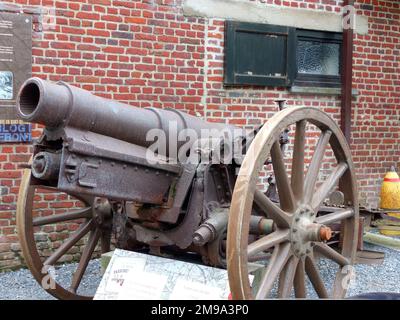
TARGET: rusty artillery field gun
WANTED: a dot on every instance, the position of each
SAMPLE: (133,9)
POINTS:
(95,151)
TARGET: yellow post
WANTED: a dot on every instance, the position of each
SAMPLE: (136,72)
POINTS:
(390,193)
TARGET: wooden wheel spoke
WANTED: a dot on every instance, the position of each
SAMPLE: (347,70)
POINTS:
(315,278)
(272,211)
(297,177)
(278,260)
(260,257)
(285,192)
(267,242)
(330,183)
(315,165)
(67,216)
(300,290)
(287,277)
(29,193)
(85,258)
(332,254)
(335,216)
(79,234)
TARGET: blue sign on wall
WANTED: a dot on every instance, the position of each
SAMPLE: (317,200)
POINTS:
(15,132)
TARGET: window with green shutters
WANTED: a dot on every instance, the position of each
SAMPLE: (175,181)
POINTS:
(269,55)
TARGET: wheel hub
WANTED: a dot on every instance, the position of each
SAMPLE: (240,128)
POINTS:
(304,231)
(102,213)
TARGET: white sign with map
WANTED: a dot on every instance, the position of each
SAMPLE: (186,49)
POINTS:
(137,276)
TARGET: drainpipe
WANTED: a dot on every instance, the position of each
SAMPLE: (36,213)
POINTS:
(347,76)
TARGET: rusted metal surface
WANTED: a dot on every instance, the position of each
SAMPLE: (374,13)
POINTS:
(113,179)
(46,165)
(78,108)
(180,235)
(211,228)
(95,150)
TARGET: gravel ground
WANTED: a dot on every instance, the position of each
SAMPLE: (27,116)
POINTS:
(370,278)
(20,285)
(378,278)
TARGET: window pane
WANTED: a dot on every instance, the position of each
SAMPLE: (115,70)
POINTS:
(318,58)
(6,85)
(252,50)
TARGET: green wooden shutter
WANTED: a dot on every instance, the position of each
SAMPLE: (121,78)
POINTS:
(259,54)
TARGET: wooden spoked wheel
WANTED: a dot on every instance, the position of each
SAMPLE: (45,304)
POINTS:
(298,241)
(94,220)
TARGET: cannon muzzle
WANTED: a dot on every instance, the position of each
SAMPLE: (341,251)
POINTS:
(43,102)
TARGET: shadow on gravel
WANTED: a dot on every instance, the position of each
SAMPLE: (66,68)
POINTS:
(377,296)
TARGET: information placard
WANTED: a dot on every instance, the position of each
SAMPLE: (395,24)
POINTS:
(15,58)
(136,276)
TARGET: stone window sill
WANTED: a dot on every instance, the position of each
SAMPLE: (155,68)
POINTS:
(320,91)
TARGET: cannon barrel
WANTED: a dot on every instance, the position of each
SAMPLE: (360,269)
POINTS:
(59,104)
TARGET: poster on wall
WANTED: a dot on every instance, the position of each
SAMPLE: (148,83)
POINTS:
(15,68)
(6,85)
(15,131)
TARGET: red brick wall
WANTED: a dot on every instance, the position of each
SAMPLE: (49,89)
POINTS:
(147,53)
(376,126)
